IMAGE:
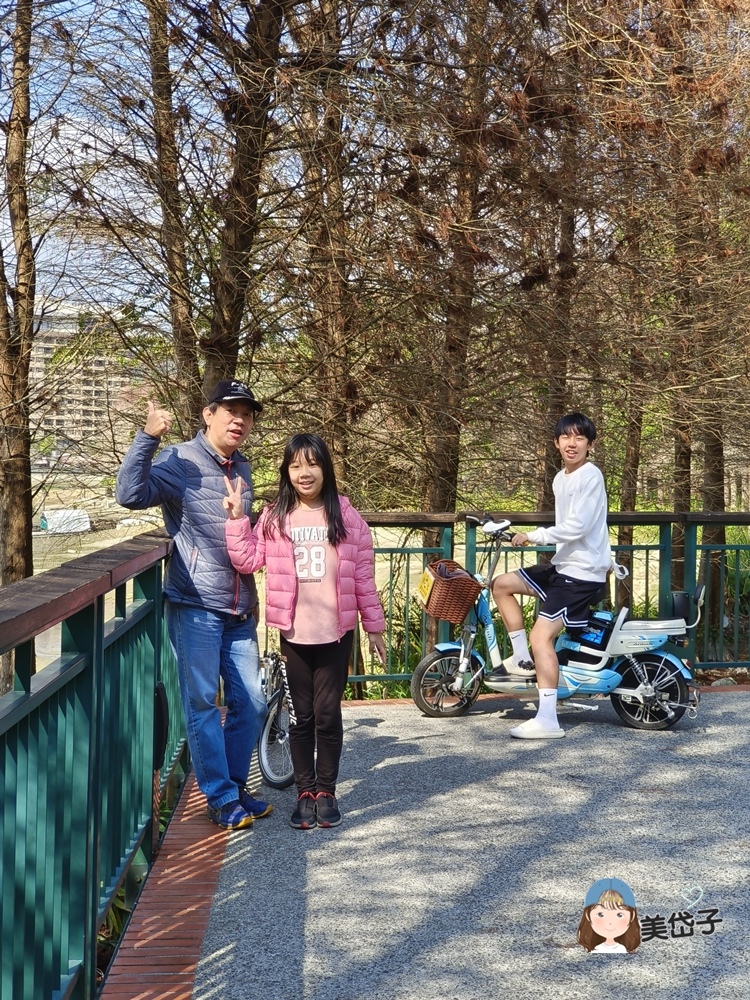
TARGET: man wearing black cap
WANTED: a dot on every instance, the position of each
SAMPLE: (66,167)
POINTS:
(210,607)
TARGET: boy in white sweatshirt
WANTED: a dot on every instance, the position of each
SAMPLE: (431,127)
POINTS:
(570,584)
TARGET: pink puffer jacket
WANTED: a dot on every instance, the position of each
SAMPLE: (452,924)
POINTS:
(249,549)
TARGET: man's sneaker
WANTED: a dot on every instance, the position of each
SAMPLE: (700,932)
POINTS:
(303,817)
(253,807)
(230,817)
(328,809)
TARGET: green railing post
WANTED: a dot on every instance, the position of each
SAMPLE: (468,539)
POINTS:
(690,570)
(690,573)
(147,587)
(471,546)
(446,541)
(120,601)
(665,569)
(23,666)
(82,634)
(446,544)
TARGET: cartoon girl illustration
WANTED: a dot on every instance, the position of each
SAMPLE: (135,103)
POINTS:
(609,924)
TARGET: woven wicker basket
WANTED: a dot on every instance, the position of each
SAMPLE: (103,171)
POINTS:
(451,599)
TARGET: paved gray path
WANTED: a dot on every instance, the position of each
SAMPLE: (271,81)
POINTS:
(460,870)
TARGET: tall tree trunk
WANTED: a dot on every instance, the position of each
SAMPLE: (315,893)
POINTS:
(557,352)
(683,456)
(443,432)
(17,322)
(462,216)
(634,397)
(443,436)
(714,502)
(323,147)
(689,249)
(16,330)
(247,110)
(188,401)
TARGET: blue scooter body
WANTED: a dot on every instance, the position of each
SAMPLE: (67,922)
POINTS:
(575,679)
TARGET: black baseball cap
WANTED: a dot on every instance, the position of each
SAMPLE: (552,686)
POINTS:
(230,390)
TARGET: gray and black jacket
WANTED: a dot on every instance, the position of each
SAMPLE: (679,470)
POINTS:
(188,481)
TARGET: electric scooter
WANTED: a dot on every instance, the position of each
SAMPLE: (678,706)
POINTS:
(634,661)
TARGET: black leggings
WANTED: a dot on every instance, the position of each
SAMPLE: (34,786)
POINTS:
(317,677)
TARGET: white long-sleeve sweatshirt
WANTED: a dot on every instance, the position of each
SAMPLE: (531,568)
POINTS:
(580,530)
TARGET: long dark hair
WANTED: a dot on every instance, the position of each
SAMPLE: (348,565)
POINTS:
(315,450)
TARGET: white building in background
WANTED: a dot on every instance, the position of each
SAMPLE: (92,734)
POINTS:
(79,391)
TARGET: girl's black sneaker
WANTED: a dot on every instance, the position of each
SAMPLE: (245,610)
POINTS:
(303,817)
(327,809)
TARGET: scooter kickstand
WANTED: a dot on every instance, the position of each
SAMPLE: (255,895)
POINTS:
(583,706)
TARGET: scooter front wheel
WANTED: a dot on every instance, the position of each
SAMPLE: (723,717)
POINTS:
(432,686)
(659,710)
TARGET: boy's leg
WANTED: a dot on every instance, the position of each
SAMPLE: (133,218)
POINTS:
(544,725)
(566,601)
(504,589)
(543,636)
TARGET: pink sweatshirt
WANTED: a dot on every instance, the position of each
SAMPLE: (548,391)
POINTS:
(249,549)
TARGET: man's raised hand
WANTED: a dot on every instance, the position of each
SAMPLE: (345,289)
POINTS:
(158,422)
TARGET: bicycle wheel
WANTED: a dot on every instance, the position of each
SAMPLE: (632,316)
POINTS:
(274,752)
(431,686)
(669,691)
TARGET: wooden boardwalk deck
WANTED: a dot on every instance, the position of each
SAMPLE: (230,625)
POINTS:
(160,949)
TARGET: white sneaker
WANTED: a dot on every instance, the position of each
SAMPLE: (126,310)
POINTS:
(532,729)
(524,668)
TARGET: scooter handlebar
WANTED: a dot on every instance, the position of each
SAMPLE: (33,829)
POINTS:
(495,529)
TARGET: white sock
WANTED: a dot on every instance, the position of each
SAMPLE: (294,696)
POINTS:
(547,712)
(520,645)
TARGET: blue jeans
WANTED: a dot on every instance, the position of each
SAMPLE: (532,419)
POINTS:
(209,645)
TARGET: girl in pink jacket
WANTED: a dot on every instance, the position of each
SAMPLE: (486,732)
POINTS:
(319,562)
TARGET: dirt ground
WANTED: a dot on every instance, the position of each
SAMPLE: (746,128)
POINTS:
(709,677)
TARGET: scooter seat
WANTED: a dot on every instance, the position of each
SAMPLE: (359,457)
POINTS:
(672,626)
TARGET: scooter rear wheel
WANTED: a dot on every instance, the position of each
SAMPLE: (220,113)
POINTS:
(670,693)
(431,686)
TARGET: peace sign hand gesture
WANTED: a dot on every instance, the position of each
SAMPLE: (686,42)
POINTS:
(233,502)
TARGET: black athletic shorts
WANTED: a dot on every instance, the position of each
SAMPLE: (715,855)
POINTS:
(561,595)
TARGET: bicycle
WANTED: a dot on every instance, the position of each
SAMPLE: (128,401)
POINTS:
(649,686)
(274,751)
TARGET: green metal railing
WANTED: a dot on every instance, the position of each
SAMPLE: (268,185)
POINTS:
(723,639)
(79,790)
(80,795)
